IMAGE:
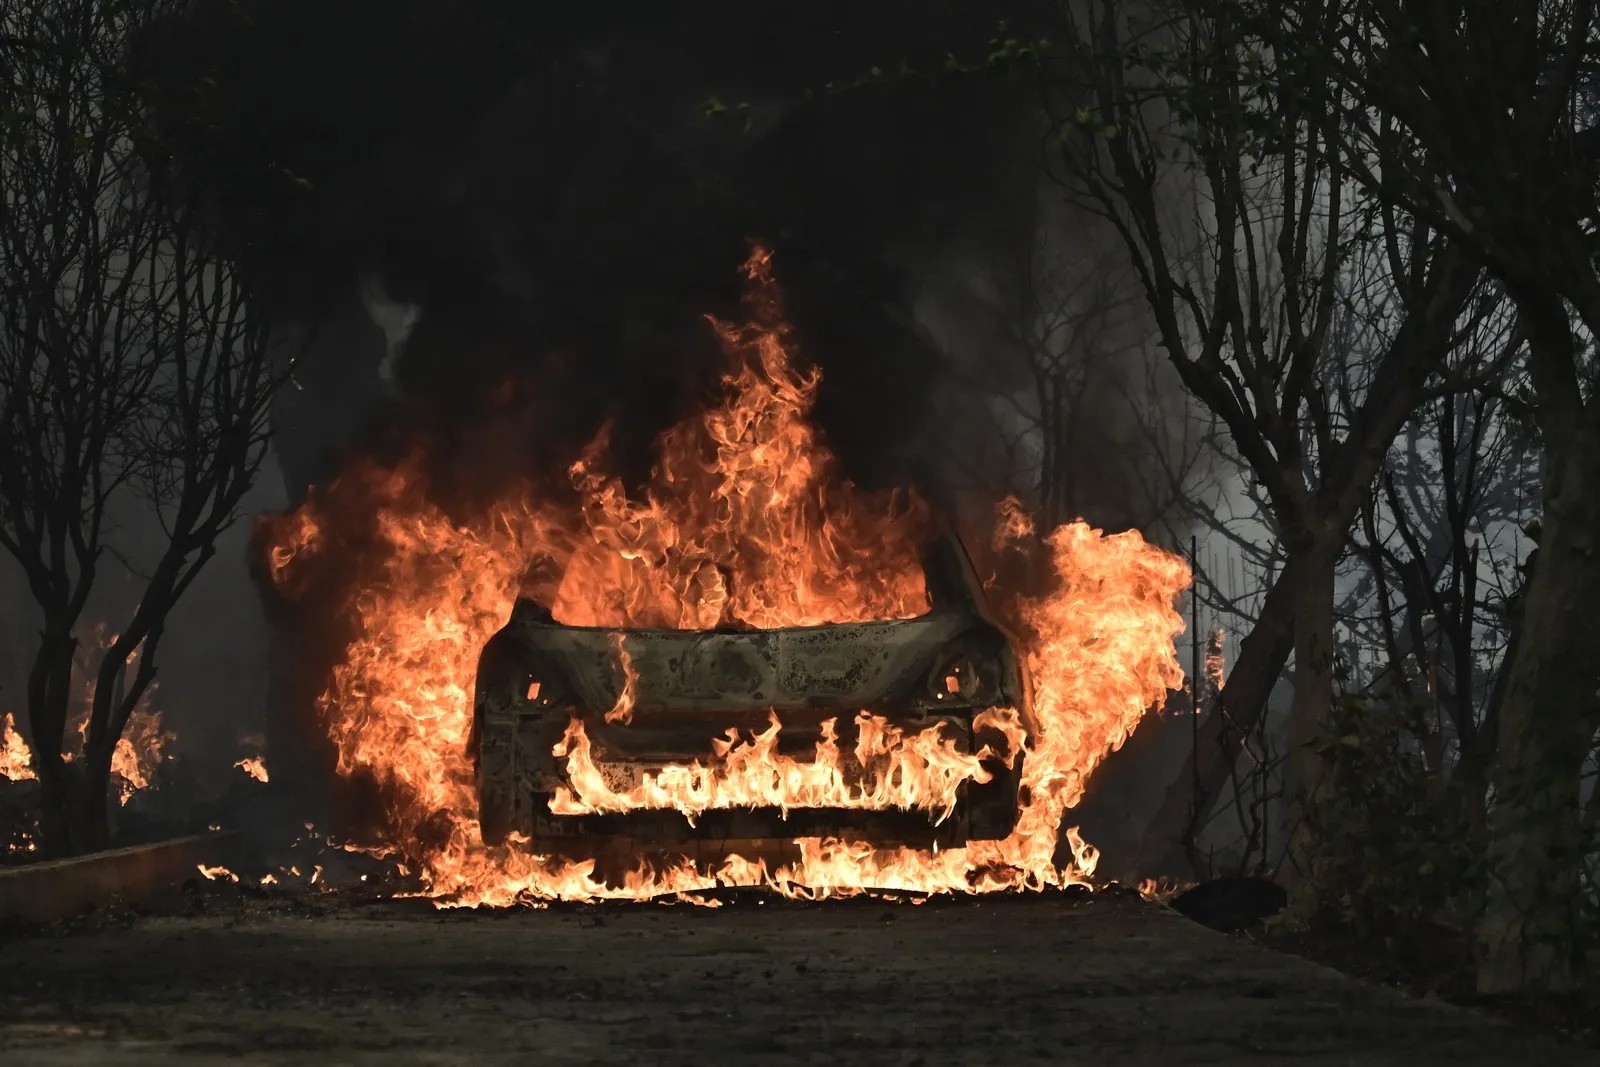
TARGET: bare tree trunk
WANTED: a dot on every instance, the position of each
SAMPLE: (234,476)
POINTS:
(1534,895)
(1533,901)
(1313,701)
(1468,788)
(73,793)
(49,690)
(1238,708)
(88,812)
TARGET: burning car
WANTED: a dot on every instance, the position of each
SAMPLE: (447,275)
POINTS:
(743,671)
(902,731)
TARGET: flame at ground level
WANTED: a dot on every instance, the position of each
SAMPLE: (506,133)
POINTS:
(746,523)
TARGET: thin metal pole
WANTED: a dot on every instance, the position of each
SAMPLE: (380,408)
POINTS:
(1195,680)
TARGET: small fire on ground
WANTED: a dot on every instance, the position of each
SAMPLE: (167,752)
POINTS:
(290,875)
(745,523)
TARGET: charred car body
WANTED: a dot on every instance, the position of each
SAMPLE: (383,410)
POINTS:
(688,687)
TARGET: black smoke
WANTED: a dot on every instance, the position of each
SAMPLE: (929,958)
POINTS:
(540,184)
(543,185)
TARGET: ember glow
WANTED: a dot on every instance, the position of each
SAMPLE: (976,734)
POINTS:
(744,522)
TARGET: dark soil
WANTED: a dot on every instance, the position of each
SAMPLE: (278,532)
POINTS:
(1436,961)
(301,978)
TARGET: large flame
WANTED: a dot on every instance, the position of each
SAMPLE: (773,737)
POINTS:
(745,522)
(923,770)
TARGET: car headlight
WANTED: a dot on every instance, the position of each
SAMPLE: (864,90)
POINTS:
(957,678)
(515,678)
(539,686)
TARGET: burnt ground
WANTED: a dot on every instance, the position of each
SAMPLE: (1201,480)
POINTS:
(1058,979)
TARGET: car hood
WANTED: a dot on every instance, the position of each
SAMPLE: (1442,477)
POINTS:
(855,665)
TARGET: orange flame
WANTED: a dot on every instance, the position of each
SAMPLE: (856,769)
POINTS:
(1158,892)
(1012,523)
(922,771)
(140,749)
(254,766)
(622,712)
(745,522)
(142,746)
(16,762)
(1214,662)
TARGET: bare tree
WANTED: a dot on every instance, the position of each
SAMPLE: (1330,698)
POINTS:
(1436,541)
(1478,117)
(1233,202)
(132,370)
(1088,422)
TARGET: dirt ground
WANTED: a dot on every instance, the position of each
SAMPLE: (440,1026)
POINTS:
(1055,979)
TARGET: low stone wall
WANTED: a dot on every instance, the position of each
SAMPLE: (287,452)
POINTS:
(62,889)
